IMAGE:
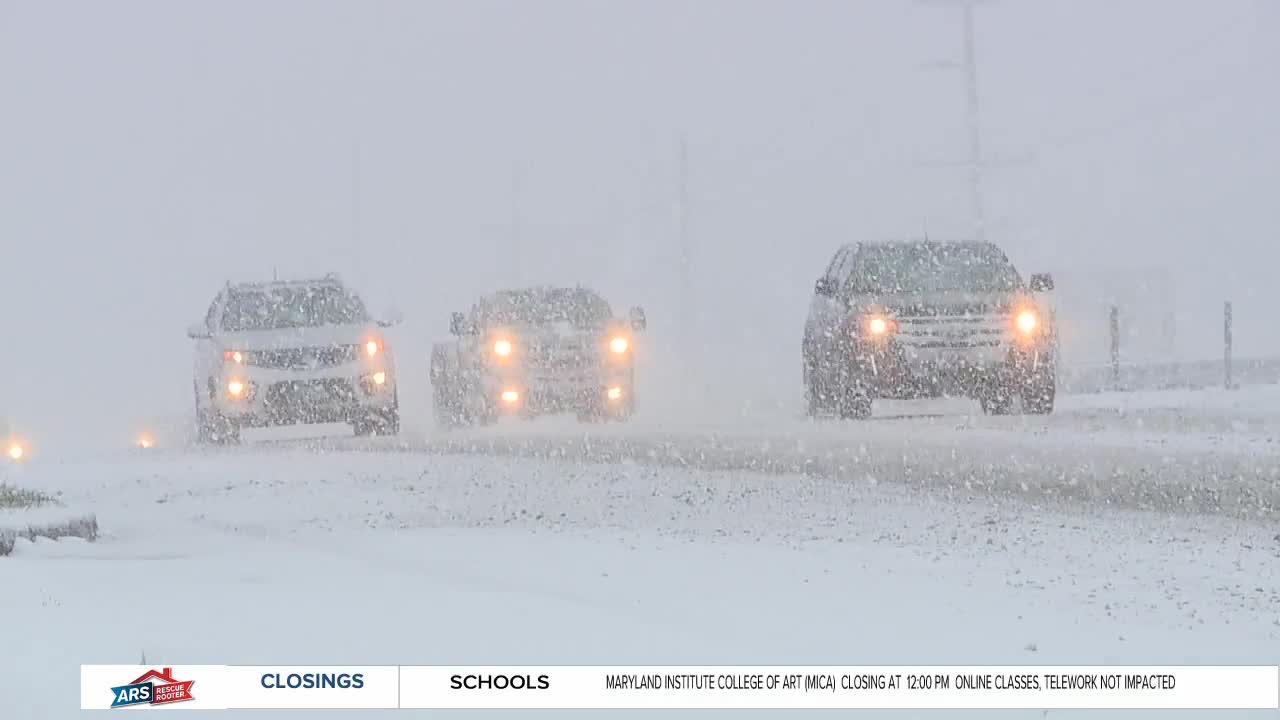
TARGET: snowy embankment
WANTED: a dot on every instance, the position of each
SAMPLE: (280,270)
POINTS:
(1210,451)
(281,555)
(28,515)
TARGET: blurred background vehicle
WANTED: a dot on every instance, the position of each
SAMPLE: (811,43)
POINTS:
(536,351)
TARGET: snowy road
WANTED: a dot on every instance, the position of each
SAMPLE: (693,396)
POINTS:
(281,553)
(1194,452)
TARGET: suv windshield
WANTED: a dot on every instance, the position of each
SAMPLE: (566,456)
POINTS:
(582,308)
(291,307)
(932,267)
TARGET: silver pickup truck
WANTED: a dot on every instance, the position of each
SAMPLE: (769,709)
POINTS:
(536,351)
(918,319)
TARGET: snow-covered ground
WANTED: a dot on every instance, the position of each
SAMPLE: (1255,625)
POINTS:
(339,552)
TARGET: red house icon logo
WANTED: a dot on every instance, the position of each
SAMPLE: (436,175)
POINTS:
(154,687)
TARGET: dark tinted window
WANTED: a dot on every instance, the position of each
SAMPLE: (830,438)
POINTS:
(932,267)
(582,308)
(292,307)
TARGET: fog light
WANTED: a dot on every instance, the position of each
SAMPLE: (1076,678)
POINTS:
(614,393)
(235,388)
(510,396)
(379,378)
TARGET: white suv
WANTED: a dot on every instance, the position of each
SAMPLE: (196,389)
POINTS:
(292,352)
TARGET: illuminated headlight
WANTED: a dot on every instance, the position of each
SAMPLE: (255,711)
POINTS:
(1026,321)
(235,388)
(16,451)
(371,348)
(502,348)
(614,393)
(510,397)
(878,325)
(619,345)
(145,442)
(380,378)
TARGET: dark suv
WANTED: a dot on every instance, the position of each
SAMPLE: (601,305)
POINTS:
(918,319)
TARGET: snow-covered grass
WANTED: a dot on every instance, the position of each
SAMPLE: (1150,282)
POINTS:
(279,555)
(31,514)
(16,497)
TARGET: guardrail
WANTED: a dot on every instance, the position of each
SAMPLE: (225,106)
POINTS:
(1173,375)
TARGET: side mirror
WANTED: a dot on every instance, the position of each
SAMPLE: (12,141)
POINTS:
(392,317)
(1041,282)
(638,320)
(458,324)
(198,331)
(823,287)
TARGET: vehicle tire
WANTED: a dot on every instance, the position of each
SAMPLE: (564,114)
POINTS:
(853,401)
(1039,393)
(447,413)
(214,428)
(817,396)
(383,423)
(997,400)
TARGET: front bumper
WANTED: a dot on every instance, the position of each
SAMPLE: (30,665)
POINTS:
(274,397)
(891,370)
(536,394)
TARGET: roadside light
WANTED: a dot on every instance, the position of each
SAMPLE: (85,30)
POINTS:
(16,451)
(379,378)
(234,356)
(619,345)
(235,388)
(502,348)
(371,348)
(510,397)
(614,393)
(1026,322)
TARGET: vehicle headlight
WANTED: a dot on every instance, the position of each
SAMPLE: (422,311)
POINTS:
(502,348)
(619,345)
(878,325)
(16,451)
(235,387)
(1026,322)
(372,347)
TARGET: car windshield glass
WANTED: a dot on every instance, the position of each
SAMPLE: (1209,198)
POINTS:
(933,267)
(292,307)
(581,308)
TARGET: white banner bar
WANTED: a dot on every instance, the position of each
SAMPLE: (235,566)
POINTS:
(681,687)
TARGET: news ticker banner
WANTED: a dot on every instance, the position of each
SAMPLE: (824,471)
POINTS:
(559,687)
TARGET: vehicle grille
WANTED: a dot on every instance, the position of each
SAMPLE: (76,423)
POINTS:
(560,358)
(310,400)
(952,331)
(306,358)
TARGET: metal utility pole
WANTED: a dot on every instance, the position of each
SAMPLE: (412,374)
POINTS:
(976,160)
(513,259)
(975,130)
(686,252)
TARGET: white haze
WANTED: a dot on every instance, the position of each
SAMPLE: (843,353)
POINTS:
(432,151)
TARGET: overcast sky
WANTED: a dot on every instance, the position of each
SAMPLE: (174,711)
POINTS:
(432,151)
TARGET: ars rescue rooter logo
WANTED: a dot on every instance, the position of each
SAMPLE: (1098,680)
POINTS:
(152,688)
